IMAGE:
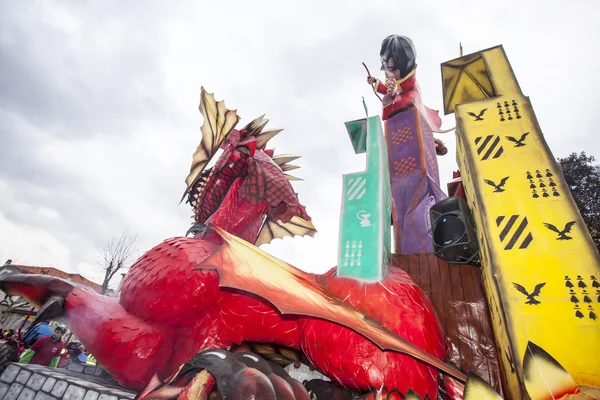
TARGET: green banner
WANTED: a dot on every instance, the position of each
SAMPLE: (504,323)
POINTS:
(365,222)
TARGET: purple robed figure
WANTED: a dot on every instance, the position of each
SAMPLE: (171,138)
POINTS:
(415,181)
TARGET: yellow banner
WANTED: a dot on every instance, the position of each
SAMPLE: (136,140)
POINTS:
(541,269)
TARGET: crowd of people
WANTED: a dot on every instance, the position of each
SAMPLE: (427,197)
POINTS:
(44,345)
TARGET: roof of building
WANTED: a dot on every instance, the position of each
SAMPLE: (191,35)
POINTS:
(27,269)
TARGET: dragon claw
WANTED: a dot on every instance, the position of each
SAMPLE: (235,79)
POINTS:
(52,308)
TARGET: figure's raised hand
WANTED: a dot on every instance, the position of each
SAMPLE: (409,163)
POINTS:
(371,80)
(390,84)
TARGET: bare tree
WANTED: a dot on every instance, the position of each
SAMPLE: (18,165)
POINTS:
(116,255)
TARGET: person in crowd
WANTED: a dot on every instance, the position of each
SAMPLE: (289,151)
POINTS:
(45,351)
(39,331)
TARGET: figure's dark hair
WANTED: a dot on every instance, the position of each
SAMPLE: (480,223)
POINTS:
(402,50)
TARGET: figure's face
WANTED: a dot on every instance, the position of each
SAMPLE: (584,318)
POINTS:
(391,71)
(56,334)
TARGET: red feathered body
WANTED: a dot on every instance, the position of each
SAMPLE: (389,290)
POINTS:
(168,310)
(193,314)
(398,304)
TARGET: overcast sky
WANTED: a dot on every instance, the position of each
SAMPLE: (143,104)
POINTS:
(99,118)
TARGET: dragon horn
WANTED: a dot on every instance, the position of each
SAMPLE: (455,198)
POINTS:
(255,123)
(264,137)
(284,159)
(289,167)
(258,130)
(255,127)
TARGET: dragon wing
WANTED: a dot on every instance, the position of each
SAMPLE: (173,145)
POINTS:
(278,230)
(218,123)
(523,136)
(491,183)
(512,139)
(243,266)
(503,181)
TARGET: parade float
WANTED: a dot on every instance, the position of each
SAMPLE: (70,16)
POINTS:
(488,295)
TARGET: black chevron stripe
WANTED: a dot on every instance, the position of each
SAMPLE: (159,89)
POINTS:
(513,229)
(489,146)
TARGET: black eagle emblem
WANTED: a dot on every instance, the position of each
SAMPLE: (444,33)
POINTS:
(478,117)
(497,188)
(518,143)
(562,235)
(530,296)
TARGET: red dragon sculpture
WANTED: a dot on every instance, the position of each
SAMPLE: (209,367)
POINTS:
(217,289)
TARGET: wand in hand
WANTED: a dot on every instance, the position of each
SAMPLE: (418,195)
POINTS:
(369,76)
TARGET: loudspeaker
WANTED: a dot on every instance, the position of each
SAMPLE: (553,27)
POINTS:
(453,231)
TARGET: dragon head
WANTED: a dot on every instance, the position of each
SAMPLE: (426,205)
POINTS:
(244,155)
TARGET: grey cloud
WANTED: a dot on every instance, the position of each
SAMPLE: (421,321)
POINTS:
(114,86)
(66,80)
